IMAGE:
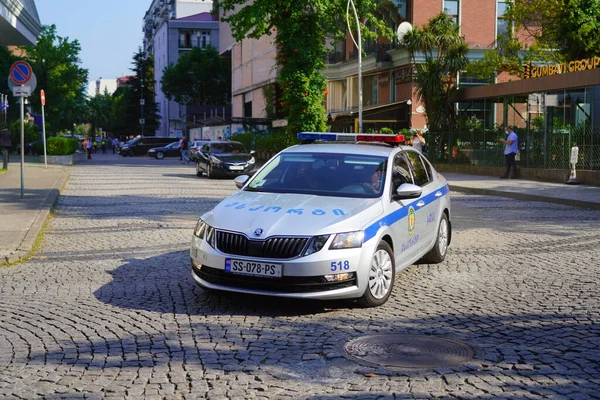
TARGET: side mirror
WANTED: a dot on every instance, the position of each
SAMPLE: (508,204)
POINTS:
(241,180)
(408,191)
(252,152)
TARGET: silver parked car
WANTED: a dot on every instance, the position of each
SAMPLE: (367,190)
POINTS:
(326,221)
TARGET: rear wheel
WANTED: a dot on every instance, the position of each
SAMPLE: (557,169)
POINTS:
(131,153)
(198,172)
(382,273)
(160,155)
(438,253)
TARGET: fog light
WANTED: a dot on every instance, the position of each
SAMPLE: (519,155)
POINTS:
(339,277)
(196,264)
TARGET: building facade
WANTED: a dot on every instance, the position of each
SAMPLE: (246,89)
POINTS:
(171,28)
(19,23)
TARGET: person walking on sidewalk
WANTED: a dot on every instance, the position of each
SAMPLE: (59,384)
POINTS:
(511,147)
(89,147)
(103,145)
(183,146)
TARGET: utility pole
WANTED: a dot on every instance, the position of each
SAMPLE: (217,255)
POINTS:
(142,101)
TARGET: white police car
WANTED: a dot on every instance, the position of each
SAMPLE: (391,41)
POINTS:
(326,220)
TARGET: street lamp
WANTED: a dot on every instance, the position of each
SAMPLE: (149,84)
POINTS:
(359,46)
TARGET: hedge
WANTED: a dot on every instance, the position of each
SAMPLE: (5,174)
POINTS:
(60,146)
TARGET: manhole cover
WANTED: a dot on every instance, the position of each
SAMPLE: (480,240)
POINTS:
(408,351)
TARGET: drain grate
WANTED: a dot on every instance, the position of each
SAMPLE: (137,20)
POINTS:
(408,351)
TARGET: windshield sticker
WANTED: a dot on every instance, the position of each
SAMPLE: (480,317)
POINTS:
(275,209)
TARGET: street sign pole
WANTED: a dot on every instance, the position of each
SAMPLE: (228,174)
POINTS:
(22,147)
(43,97)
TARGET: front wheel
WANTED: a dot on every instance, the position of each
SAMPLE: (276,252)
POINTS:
(198,172)
(382,273)
(160,155)
(131,153)
(210,174)
(438,253)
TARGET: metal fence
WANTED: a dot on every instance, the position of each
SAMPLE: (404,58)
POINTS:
(537,149)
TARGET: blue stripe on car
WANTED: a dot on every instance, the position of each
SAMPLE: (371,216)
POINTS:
(392,218)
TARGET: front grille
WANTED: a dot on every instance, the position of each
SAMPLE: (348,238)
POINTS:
(276,247)
(285,284)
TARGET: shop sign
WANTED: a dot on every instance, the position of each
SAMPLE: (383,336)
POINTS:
(537,71)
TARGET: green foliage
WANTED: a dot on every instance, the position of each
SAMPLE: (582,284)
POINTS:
(60,146)
(442,54)
(275,142)
(56,63)
(386,131)
(200,77)
(300,28)
(31,133)
(568,30)
(246,138)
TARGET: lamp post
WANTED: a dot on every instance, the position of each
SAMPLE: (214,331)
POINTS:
(359,46)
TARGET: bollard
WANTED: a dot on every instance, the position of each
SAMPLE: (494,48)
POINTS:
(574,158)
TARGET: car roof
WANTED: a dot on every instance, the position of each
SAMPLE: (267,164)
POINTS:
(375,149)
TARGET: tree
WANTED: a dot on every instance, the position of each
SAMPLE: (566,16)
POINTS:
(6,61)
(99,108)
(300,29)
(567,29)
(200,77)
(142,87)
(442,54)
(55,62)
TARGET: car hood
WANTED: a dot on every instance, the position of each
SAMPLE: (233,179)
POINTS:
(292,214)
(233,157)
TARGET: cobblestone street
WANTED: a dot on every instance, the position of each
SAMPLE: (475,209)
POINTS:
(107,307)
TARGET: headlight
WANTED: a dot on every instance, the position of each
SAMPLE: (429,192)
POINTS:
(348,240)
(151,151)
(211,236)
(316,244)
(252,161)
(200,229)
(215,160)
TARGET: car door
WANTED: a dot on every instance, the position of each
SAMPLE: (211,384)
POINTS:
(203,156)
(408,241)
(428,204)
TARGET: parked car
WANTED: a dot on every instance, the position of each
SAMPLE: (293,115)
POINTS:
(170,150)
(194,148)
(140,145)
(224,158)
(326,221)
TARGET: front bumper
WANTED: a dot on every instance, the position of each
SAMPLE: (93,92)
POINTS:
(225,170)
(302,277)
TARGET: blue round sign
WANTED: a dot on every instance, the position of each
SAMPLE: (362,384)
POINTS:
(21,72)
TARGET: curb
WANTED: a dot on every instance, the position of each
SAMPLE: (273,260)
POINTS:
(527,197)
(25,249)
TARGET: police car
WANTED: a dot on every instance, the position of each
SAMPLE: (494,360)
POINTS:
(334,219)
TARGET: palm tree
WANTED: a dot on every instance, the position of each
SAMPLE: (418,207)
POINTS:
(439,53)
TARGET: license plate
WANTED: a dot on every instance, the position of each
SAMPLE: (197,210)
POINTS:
(236,167)
(254,268)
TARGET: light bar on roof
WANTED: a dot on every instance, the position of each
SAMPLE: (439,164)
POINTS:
(351,137)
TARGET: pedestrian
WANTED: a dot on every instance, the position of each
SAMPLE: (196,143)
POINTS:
(103,145)
(114,143)
(183,146)
(89,147)
(95,145)
(418,141)
(511,147)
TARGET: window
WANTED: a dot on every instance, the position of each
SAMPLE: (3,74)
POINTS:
(204,39)
(185,40)
(451,8)
(501,22)
(400,172)
(422,176)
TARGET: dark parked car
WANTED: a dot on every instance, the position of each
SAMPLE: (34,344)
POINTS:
(170,150)
(140,145)
(224,158)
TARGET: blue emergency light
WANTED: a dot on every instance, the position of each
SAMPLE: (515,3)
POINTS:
(351,137)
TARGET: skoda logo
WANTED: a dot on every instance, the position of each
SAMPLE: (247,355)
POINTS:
(258,232)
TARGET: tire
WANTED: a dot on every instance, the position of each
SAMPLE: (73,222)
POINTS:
(198,172)
(209,172)
(382,273)
(438,253)
(131,153)
(160,155)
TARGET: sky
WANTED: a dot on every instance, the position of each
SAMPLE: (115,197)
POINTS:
(109,31)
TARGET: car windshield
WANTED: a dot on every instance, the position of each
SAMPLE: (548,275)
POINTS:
(226,148)
(324,174)
(171,145)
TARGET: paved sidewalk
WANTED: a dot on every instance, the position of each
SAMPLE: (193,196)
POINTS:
(22,219)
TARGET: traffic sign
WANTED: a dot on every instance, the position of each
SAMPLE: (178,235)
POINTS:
(21,91)
(20,72)
(43,97)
